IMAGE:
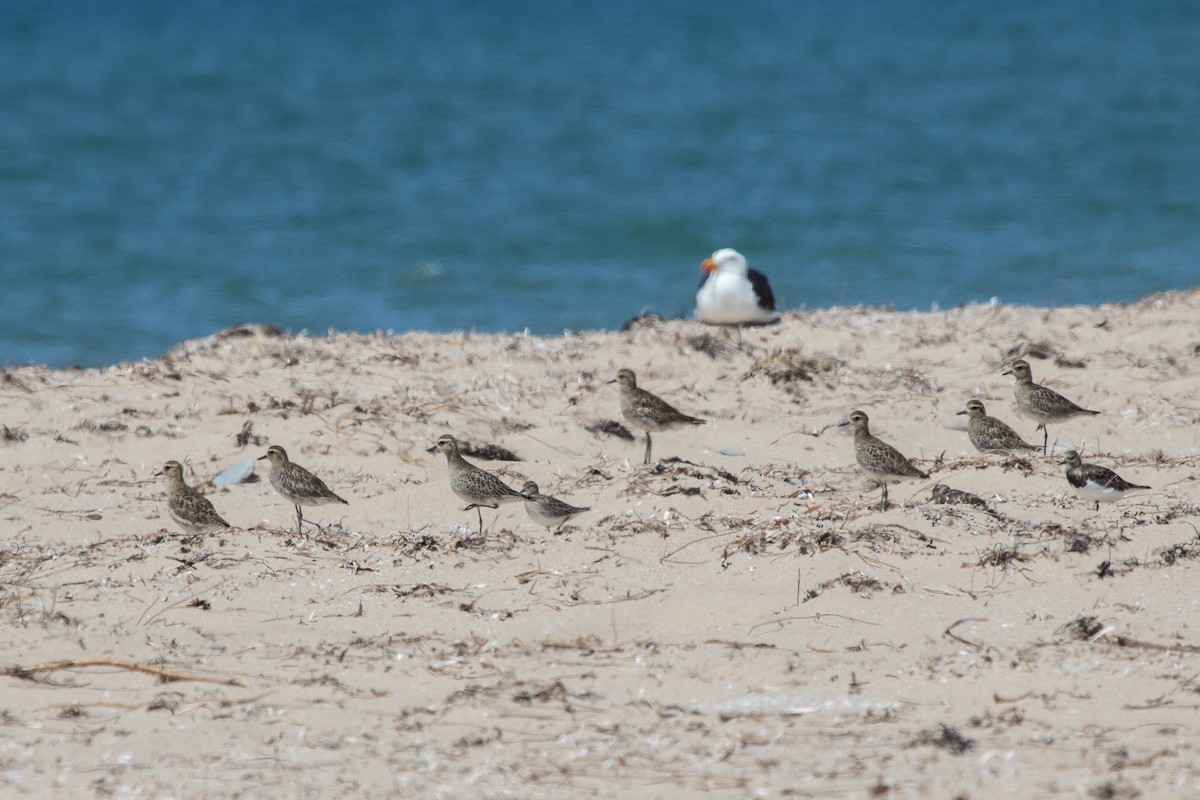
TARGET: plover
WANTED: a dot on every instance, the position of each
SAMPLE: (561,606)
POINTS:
(990,435)
(649,412)
(1096,483)
(546,510)
(731,293)
(297,485)
(480,488)
(879,460)
(1039,403)
(192,510)
(941,493)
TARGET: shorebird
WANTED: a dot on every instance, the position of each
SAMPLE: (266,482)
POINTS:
(546,510)
(1039,403)
(649,412)
(941,493)
(297,485)
(879,460)
(1096,483)
(990,435)
(731,293)
(192,510)
(480,488)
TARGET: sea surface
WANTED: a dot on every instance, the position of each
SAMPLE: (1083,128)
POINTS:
(168,169)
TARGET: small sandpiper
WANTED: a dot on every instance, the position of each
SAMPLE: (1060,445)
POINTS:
(1096,483)
(1039,403)
(990,435)
(731,293)
(297,484)
(647,411)
(480,488)
(879,460)
(192,510)
(941,493)
(546,510)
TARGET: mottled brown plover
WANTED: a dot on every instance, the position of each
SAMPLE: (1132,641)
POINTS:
(1039,403)
(192,510)
(297,484)
(1096,483)
(546,510)
(879,460)
(649,412)
(990,435)
(480,488)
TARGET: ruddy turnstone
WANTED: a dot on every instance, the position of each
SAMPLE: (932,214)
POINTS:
(731,293)
(297,485)
(1039,403)
(647,411)
(480,488)
(879,460)
(1096,483)
(941,493)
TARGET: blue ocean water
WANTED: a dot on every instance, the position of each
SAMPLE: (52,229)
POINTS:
(169,169)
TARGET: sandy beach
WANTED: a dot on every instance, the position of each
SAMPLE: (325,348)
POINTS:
(737,619)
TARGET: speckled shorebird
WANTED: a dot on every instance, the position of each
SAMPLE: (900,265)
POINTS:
(546,510)
(647,411)
(297,484)
(879,460)
(1096,483)
(192,510)
(1039,403)
(480,488)
(941,493)
(990,435)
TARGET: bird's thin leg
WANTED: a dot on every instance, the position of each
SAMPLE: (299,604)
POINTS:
(883,500)
(646,460)
(299,520)
(1045,439)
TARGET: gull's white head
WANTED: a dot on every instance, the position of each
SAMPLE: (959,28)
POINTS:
(726,259)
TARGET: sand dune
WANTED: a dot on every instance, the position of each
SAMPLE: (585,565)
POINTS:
(737,618)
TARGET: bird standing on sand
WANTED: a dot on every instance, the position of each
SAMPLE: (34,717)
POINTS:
(731,293)
(990,435)
(546,510)
(1039,403)
(480,488)
(879,460)
(1096,483)
(192,510)
(649,412)
(943,494)
(297,485)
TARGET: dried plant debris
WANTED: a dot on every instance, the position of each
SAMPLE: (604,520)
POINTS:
(1002,556)
(789,366)
(946,738)
(610,428)
(1184,551)
(712,346)
(12,435)
(856,582)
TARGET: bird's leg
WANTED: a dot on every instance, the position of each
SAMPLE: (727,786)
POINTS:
(646,460)
(1045,439)
(299,520)
(883,500)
